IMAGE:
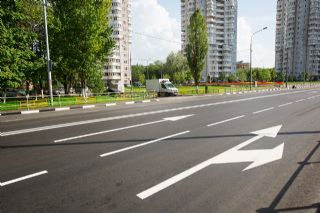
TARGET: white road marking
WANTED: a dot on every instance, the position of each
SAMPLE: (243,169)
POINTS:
(300,100)
(312,97)
(233,155)
(283,105)
(142,144)
(23,178)
(22,131)
(146,101)
(231,119)
(123,128)
(264,110)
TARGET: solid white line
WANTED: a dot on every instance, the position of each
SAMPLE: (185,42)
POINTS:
(300,100)
(312,97)
(257,112)
(15,132)
(29,112)
(107,131)
(62,109)
(23,178)
(146,101)
(142,144)
(282,105)
(231,119)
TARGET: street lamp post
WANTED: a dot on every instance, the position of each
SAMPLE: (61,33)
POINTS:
(44,4)
(251,54)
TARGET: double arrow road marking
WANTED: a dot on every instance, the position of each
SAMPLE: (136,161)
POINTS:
(233,155)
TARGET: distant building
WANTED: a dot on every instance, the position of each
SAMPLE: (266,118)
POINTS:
(242,65)
(221,16)
(118,69)
(298,38)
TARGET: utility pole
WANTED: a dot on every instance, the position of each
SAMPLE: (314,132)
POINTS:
(44,4)
(251,53)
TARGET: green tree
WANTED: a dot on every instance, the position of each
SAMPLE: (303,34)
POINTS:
(177,67)
(138,73)
(231,78)
(242,75)
(222,76)
(197,45)
(15,40)
(82,39)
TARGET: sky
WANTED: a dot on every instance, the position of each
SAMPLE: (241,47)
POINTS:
(161,20)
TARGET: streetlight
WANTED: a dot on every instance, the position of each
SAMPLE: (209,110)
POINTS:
(44,4)
(251,53)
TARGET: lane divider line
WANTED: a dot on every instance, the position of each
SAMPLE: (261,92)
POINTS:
(300,100)
(23,178)
(283,105)
(107,131)
(264,110)
(142,144)
(231,119)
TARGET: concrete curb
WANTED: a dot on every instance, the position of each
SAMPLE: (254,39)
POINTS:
(60,109)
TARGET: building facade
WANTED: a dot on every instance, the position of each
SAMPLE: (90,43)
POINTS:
(298,38)
(221,17)
(118,69)
(243,65)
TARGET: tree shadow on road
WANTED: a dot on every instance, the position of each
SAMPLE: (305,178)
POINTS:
(71,143)
(283,191)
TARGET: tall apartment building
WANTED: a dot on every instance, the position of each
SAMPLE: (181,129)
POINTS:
(118,69)
(298,37)
(221,17)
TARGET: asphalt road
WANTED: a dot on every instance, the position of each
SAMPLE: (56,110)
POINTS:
(256,152)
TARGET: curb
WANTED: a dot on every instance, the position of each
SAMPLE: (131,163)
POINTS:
(60,109)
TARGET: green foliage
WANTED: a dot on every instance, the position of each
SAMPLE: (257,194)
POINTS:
(15,40)
(81,39)
(197,46)
(231,78)
(243,75)
(138,74)
(176,67)
(222,76)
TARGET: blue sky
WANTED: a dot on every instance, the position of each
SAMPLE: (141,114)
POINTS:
(161,19)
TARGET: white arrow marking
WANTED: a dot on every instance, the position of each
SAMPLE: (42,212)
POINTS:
(123,128)
(23,178)
(233,155)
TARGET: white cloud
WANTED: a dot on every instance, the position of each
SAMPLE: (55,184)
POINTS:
(150,18)
(263,52)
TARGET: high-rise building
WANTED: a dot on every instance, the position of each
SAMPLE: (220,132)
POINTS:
(118,69)
(298,38)
(221,17)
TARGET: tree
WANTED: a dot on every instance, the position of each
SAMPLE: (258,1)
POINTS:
(81,40)
(15,40)
(197,45)
(242,75)
(231,78)
(222,76)
(176,67)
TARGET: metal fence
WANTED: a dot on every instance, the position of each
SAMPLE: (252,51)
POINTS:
(35,102)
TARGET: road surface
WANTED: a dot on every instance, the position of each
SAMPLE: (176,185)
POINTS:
(254,152)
